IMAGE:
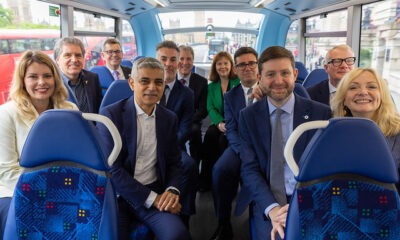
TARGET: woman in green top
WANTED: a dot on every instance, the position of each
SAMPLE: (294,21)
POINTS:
(222,79)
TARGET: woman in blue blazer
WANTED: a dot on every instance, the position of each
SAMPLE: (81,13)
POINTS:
(222,78)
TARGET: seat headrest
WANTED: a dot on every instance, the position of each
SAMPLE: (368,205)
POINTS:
(63,135)
(118,90)
(348,145)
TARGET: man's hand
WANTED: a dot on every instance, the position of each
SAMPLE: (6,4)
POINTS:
(168,202)
(221,127)
(257,92)
(278,217)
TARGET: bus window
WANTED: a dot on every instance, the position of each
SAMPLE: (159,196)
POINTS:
(215,46)
(323,33)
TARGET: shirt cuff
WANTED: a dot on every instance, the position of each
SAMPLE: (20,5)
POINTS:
(269,208)
(150,199)
(174,189)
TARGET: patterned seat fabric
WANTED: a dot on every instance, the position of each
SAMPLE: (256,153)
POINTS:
(348,209)
(68,203)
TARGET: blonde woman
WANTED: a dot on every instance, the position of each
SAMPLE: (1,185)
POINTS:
(363,93)
(36,87)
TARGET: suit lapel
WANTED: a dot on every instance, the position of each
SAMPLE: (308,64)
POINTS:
(264,133)
(130,130)
(302,114)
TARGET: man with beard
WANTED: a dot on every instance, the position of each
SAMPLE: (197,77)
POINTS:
(264,128)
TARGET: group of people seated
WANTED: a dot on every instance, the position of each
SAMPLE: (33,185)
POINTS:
(252,107)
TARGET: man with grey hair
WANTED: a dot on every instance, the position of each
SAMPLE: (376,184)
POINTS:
(147,174)
(83,86)
(338,61)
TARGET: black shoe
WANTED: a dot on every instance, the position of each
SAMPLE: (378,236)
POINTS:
(223,232)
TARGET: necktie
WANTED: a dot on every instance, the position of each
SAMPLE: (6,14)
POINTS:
(115,75)
(81,96)
(183,81)
(249,98)
(277,178)
(164,97)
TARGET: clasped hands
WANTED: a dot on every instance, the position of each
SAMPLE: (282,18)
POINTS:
(168,202)
(278,217)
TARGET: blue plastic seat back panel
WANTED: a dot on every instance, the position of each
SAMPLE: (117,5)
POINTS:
(117,91)
(314,77)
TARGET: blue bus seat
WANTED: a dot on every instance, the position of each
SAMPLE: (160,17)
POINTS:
(301,90)
(302,72)
(64,191)
(126,63)
(118,90)
(105,77)
(314,77)
(346,183)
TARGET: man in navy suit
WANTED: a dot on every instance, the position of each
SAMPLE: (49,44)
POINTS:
(226,171)
(83,86)
(338,61)
(198,84)
(147,174)
(179,99)
(277,76)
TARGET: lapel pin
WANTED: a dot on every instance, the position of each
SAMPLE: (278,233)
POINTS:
(86,81)
(305,117)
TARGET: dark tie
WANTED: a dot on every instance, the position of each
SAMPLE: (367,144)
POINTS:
(81,96)
(163,100)
(115,75)
(183,81)
(277,178)
(249,98)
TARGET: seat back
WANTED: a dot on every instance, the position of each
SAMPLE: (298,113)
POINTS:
(105,77)
(126,63)
(64,191)
(118,90)
(314,77)
(302,72)
(346,179)
(301,90)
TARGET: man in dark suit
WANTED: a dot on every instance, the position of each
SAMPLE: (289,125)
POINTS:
(262,163)
(226,171)
(179,99)
(147,174)
(338,61)
(83,86)
(198,84)
(112,55)
(112,70)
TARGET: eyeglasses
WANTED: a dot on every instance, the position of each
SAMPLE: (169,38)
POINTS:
(110,52)
(243,66)
(338,61)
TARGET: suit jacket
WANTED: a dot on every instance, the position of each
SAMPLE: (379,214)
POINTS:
(320,92)
(255,151)
(394,146)
(123,115)
(215,100)
(234,102)
(181,102)
(199,86)
(92,87)
(127,71)
(14,130)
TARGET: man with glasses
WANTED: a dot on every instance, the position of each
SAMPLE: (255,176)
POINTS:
(226,171)
(338,61)
(112,54)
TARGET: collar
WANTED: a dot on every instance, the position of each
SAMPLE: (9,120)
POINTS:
(140,112)
(288,107)
(181,77)
(171,84)
(332,89)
